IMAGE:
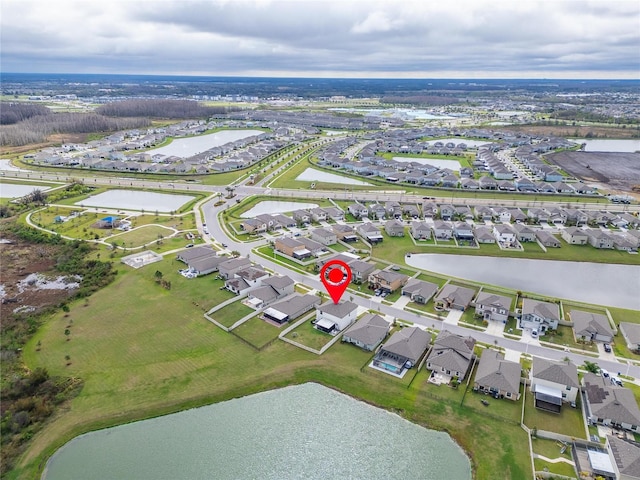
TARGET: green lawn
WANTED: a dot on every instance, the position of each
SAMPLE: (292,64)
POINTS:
(512,327)
(141,236)
(230,314)
(567,422)
(560,468)
(564,337)
(549,448)
(257,332)
(309,336)
(143,351)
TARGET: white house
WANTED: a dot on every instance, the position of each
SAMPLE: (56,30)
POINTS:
(553,383)
(335,317)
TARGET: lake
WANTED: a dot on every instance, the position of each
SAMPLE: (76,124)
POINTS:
(7,166)
(15,190)
(271,206)
(609,145)
(598,283)
(187,147)
(436,162)
(136,200)
(313,175)
(300,432)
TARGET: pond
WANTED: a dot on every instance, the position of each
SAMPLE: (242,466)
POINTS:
(313,175)
(187,147)
(597,283)
(609,145)
(436,162)
(7,166)
(15,190)
(271,206)
(136,200)
(306,431)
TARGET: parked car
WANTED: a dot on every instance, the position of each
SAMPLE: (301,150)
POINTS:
(604,373)
(189,245)
(534,333)
(607,348)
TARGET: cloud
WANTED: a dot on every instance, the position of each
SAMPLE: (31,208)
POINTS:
(323,37)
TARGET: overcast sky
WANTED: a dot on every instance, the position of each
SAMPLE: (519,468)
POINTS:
(324,38)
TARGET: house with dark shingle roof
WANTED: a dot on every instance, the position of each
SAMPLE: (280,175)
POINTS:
(419,291)
(451,355)
(609,404)
(538,315)
(454,297)
(493,307)
(591,326)
(387,280)
(631,333)
(368,332)
(291,308)
(497,376)
(403,350)
(553,383)
(335,317)
(625,457)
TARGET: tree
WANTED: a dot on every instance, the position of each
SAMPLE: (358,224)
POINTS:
(67,332)
(158,276)
(591,367)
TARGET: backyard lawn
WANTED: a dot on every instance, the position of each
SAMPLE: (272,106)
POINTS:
(230,314)
(568,422)
(307,335)
(257,332)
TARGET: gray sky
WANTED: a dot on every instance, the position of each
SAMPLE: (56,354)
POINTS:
(324,38)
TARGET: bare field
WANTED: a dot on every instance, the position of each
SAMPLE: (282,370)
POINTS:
(617,170)
(578,131)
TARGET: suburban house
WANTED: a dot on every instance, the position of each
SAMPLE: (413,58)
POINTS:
(344,233)
(358,210)
(360,270)
(553,383)
(302,216)
(420,231)
(324,236)
(498,377)
(463,231)
(190,254)
(484,235)
(334,213)
(318,214)
(599,239)
(442,230)
(546,239)
(454,297)
(610,405)
(420,291)
(387,280)
(314,247)
(246,279)
(201,260)
(335,317)
(590,326)
(624,456)
(447,212)
(631,334)
(539,316)
(394,228)
(493,307)
(403,350)
(504,234)
(229,267)
(451,355)
(290,308)
(524,233)
(574,236)
(253,225)
(370,233)
(292,248)
(272,289)
(368,332)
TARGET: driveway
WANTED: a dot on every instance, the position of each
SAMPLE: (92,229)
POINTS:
(605,355)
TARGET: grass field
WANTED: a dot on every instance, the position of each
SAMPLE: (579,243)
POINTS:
(257,332)
(309,336)
(143,351)
(568,422)
(230,314)
(141,236)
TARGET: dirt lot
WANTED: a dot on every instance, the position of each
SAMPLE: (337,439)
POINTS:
(617,171)
(577,131)
(20,259)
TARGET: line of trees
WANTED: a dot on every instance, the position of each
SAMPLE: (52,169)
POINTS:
(37,128)
(13,112)
(178,109)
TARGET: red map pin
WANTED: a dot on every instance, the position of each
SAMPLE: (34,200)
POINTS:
(335,276)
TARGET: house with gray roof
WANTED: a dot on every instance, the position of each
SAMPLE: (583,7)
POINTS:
(272,289)
(631,334)
(420,231)
(547,239)
(360,270)
(230,267)
(493,307)
(345,233)
(497,377)
(403,350)
(394,228)
(574,236)
(524,233)
(539,316)
(419,291)
(291,308)
(324,236)
(368,332)
(484,235)
(442,230)
(246,279)
(553,383)
(387,280)
(599,239)
(625,457)
(370,233)
(609,404)
(454,297)
(451,354)
(591,327)
(335,317)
